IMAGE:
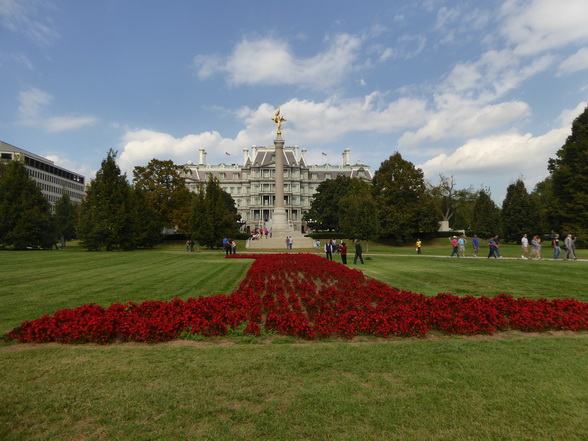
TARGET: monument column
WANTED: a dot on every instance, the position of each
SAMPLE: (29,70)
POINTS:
(280,218)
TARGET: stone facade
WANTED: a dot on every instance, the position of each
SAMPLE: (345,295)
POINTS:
(51,179)
(252,183)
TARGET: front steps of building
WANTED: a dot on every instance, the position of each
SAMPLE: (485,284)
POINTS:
(279,242)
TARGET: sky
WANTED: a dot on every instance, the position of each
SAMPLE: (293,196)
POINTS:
(485,92)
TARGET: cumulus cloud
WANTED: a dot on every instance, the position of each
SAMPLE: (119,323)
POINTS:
(308,123)
(501,157)
(457,117)
(271,61)
(534,26)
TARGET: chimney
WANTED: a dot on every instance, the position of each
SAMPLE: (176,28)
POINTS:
(245,156)
(202,160)
(303,155)
(346,157)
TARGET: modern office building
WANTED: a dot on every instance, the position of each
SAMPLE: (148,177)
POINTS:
(51,179)
(252,183)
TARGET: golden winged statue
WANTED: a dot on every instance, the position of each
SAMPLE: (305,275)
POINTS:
(279,120)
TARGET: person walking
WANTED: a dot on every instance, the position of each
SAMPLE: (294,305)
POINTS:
(343,252)
(358,252)
(525,246)
(455,245)
(461,242)
(535,247)
(419,246)
(570,243)
(493,247)
(476,245)
(556,247)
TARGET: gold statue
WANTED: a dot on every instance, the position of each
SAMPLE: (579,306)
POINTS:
(279,120)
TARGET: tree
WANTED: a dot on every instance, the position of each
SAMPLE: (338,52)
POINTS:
(519,212)
(106,218)
(324,211)
(147,229)
(569,171)
(546,205)
(166,193)
(404,205)
(213,215)
(25,215)
(465,200)
(66,217)
(359,212)
(487,220)
(444,195)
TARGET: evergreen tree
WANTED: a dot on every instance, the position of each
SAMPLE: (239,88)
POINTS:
(487,220)
(25,215)
(147,229)
(569,171)
(359,212)
(66,217)
(405,206)
(106,214)
(213,215)
(546,205)
(519,212)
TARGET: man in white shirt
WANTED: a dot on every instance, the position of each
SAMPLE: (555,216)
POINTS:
(525,245)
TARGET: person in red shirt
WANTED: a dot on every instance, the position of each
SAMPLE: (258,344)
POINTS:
(343,252)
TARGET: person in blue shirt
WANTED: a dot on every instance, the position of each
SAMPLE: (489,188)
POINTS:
(476,245)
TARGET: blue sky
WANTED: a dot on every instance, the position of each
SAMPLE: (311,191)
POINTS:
(484,91)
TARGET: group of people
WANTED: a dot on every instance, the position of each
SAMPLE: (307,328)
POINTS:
(289,242)
(569,246)
(535,245)
(331,247)
(259,233)
(229,246)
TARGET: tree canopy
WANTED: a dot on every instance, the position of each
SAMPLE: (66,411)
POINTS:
(25,215)
(569,171)
(106,214)
(324,212)
(405,206)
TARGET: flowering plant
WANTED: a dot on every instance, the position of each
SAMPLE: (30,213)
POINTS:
(305,296)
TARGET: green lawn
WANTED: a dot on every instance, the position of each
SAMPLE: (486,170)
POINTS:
(508,387)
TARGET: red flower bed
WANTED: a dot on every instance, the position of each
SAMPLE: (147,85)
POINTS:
(305,296)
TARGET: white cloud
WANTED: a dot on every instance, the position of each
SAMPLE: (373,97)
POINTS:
(271,61)
(534,26)
(575,63)
(458,117)
(307,123)
(64,123)
(31,103)
(26,17)
(504,156)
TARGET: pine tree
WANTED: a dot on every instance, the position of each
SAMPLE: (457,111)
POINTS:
(106,220)
(569,171)
(213,215)
(519,212)
(66,216)
(25,215)
(487,220)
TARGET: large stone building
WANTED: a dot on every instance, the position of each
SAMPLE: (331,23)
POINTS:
(51,179)
(252,183)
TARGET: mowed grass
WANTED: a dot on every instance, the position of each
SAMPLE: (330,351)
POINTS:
(511,386)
